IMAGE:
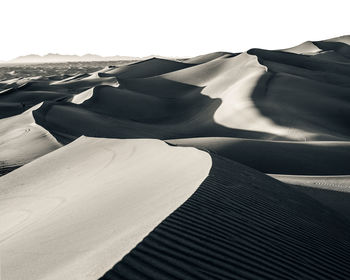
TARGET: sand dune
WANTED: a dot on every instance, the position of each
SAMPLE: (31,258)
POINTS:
(331,191)
(306,48)
(279,157)
(148,68)
(84,206)
(22,140)
(240,224)
(208,57)
(100,195)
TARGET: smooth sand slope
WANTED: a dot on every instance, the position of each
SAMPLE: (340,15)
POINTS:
(92,187)
(306,48)
(22,140)
(74,212)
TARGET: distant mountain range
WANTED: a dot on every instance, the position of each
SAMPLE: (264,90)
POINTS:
(53,57)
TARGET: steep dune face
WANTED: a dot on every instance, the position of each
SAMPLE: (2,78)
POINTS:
(148,68)
(73,212)
(289,95)
(306,48)
(314,109)
(84,206)
(208,57)
(283,157)
(81,97)
(297,95)
(241,224)
(342,39)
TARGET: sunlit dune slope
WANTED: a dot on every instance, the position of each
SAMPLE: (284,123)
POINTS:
(74,212)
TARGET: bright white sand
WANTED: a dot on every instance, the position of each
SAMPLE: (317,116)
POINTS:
(22,140)
(81,97)
(75,212)
(233,80)
(306,48)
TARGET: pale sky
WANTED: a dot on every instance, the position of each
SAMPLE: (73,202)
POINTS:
(161,27)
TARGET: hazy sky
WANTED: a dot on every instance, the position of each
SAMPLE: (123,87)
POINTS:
(169,28)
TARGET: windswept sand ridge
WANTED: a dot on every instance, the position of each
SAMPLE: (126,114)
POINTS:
(16,98)
(83,96)
(81,208)
(342,39)
(338,47)
(86,80)
(241,224)
(280,157)
(177,97)
(300,102)
(306,48)
(22,140)
(241,91)
(69,79)
(258,95)
(209,57)
(118,112)
(80,204)
(147,68)
(331,191)
(340,183)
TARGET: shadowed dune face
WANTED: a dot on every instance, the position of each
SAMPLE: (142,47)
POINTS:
(332,191)
(148,68)
(307,48)
(283,157)
(310,106)
(296,95)
(240,224)
(93,198)
(150,107)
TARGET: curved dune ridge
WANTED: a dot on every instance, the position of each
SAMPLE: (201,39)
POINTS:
(81,208)
(267,96)
(155,169)
(22,140)
(241,224)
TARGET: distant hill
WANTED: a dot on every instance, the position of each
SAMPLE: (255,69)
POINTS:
(52,57)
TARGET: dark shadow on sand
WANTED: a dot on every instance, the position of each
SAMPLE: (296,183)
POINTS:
(179,111)
(301,92)
(338,201)
(241,224)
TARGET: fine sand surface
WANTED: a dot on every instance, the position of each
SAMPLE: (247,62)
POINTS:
(241,224)
(22,140)
(279,157)
(332,191)
(76,211)
(112,164)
